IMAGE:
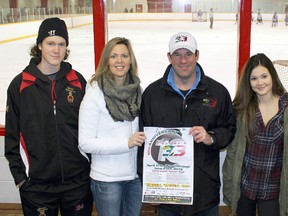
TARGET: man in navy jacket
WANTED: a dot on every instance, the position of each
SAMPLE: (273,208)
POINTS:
(186,97)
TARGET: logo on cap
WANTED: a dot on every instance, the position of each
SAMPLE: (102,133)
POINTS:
(181,38)
(52,32)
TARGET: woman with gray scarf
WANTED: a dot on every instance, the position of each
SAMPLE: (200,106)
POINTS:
(109,130)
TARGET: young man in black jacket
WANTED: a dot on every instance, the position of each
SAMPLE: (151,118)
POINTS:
(186,97)
(41,139)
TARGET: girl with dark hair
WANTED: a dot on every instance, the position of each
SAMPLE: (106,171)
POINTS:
(254,171)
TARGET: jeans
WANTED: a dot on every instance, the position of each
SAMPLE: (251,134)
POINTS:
(123,198)
(213,211)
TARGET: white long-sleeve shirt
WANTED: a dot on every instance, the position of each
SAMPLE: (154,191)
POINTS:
(105,139)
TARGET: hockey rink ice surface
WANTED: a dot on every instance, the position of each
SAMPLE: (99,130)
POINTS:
(217,46)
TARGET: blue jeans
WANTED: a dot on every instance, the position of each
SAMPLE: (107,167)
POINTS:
(123,198)
(213,211)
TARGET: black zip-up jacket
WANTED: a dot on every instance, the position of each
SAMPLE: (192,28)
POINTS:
(210,106)
(41,130)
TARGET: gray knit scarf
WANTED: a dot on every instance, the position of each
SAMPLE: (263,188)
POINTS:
(123,102)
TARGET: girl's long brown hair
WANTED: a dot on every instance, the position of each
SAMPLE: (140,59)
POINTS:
(246,101)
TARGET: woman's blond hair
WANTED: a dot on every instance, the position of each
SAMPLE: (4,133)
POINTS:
(103,66)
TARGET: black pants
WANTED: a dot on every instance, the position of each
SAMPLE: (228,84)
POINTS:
(211,22)
(73,198)
(247,207)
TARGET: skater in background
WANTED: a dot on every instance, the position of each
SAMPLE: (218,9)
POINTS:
(286,19)
(259,18)
(199,14)
(211,17)
(275,20)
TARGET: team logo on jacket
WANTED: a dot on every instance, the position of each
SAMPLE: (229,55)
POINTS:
(209,102)
(70,97)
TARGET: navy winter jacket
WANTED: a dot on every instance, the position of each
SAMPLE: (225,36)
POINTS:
(210,106)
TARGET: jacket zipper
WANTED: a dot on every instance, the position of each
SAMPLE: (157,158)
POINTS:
(133,149)
(54,100)
(54,96)
(184,106)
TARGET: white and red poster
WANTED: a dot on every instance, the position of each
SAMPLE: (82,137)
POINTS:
(168,166)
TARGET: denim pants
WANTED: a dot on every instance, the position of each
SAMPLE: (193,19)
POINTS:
(123,198)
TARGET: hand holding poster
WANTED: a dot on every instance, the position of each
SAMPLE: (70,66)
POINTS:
(168,166)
